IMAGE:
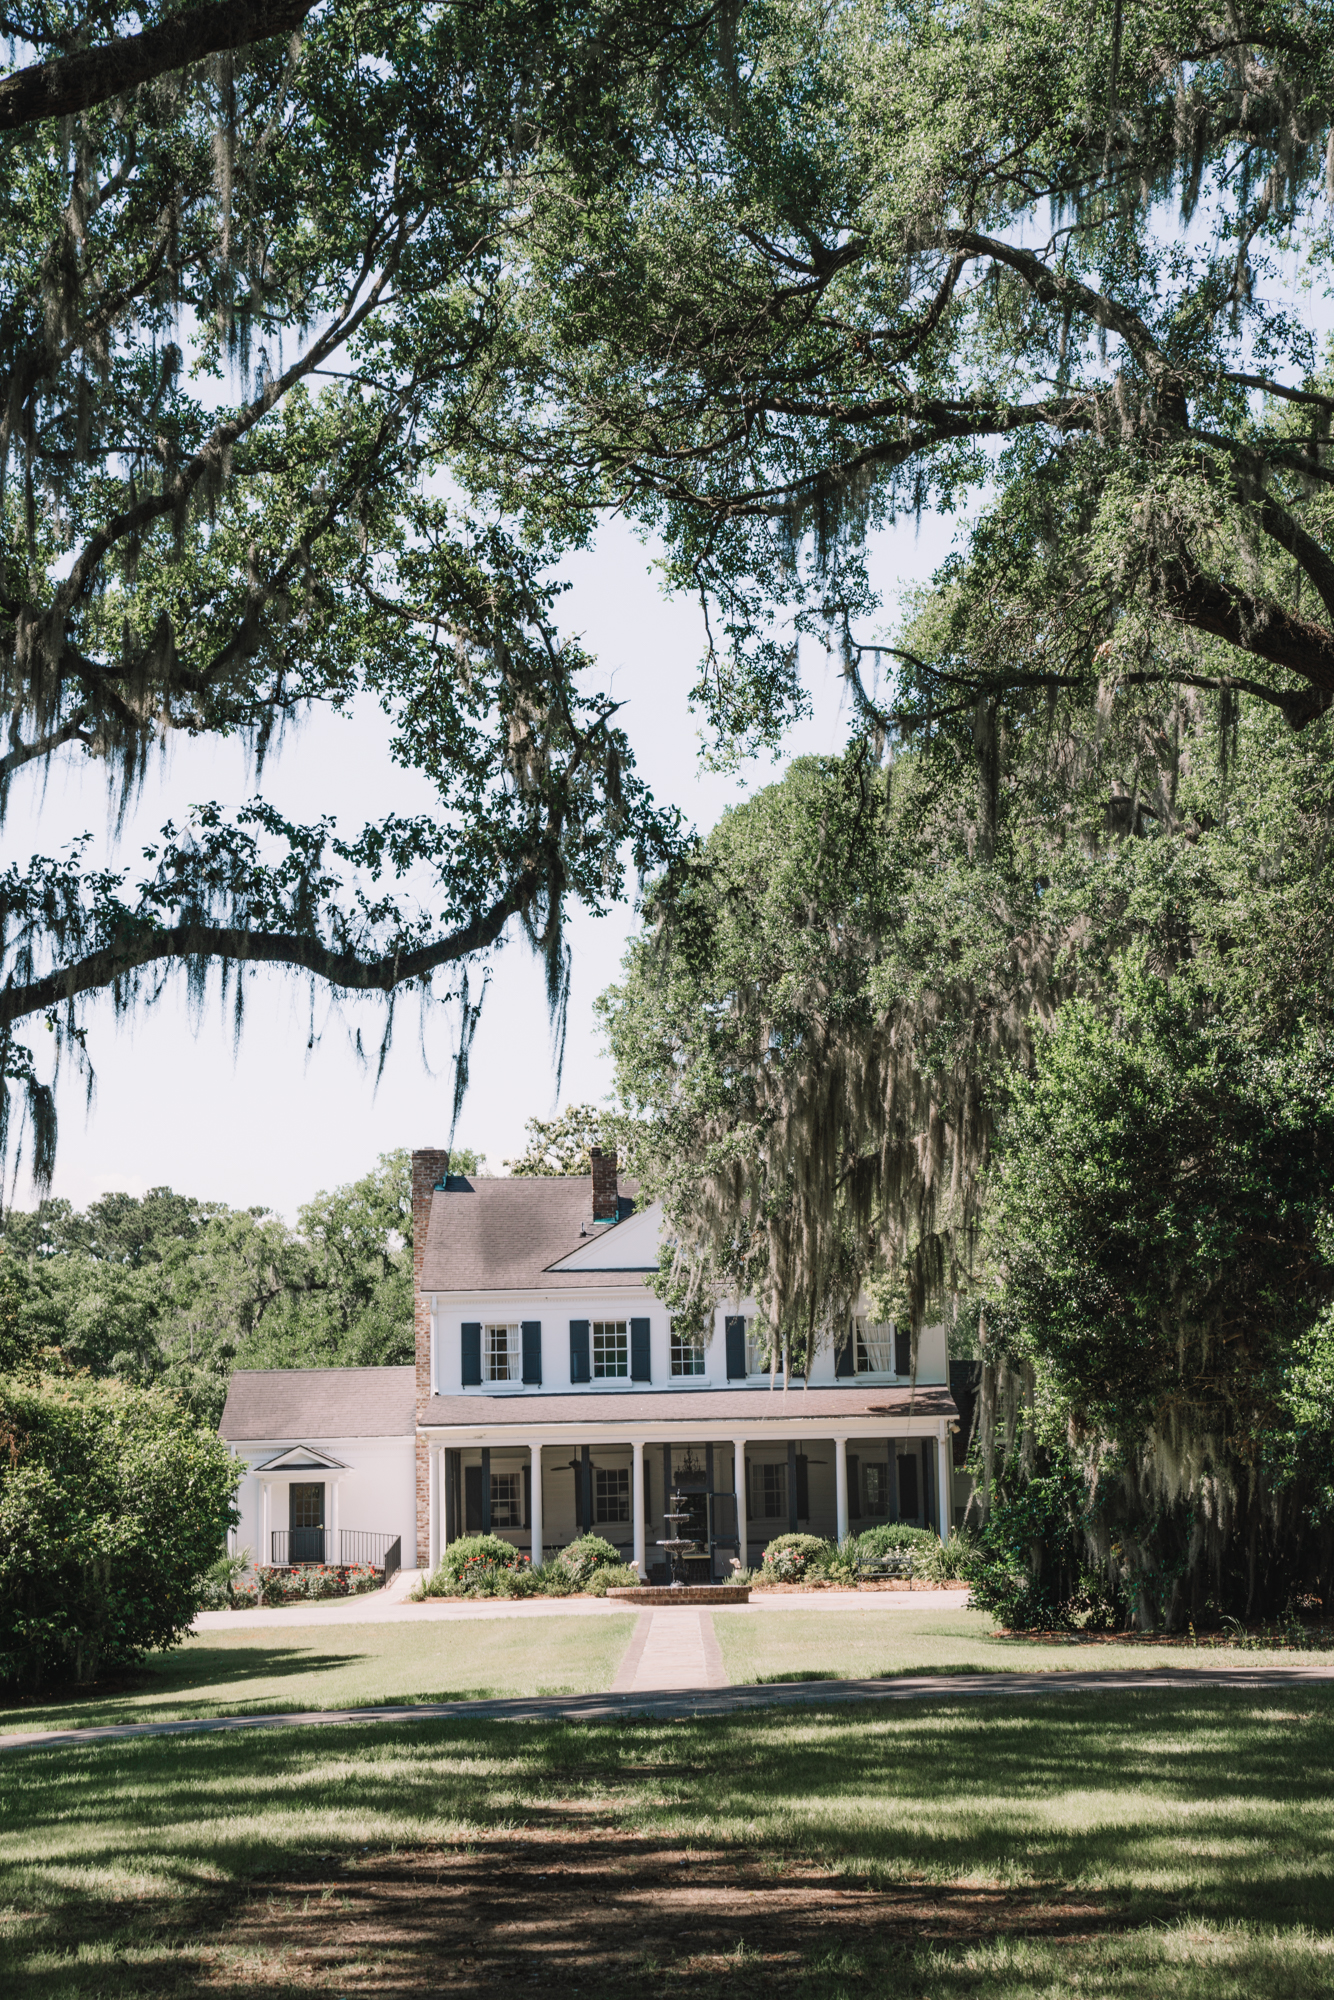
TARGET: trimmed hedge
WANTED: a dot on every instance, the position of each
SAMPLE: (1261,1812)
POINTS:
(114,1503)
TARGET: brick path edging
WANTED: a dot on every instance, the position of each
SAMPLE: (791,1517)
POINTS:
(687,1593)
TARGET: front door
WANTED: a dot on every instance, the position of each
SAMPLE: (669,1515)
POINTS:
(306,1523)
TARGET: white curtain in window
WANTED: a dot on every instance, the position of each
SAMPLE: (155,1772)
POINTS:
(876,1348)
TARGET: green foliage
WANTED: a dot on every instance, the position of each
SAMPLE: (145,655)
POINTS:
(795,1559)
(469,1564)
(612,1576)
(168,1289)
(564,1145)
(890,1536)
(1163,1209)
(587,1554)
(311,1582)
(114,1502)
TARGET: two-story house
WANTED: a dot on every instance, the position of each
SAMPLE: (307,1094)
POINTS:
(552,1394)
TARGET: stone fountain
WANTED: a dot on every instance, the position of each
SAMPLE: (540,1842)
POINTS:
(677,1546)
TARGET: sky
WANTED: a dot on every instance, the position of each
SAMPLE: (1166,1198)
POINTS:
(268,1121)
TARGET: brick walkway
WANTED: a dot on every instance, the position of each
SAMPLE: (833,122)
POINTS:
(671,1649)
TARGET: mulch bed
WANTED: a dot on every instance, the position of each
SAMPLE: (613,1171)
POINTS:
(597,1911)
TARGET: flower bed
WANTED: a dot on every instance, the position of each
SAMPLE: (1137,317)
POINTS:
(300,1586)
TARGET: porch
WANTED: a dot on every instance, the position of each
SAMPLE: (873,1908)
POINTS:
(740,1492)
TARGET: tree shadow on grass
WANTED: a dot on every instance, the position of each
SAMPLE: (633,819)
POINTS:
(147,1695)
(1205,1806)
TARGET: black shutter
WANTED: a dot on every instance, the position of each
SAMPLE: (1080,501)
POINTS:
(902,1350)
(640,1369)
(892,1496)
(532,1353)
(803,1489)
(907,1487)
(579,1350)
(472,1353)
(528,1496)
(472,1499)
(736,1349)
(845,1361)
(854,1490)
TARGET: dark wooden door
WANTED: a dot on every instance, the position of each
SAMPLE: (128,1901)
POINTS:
(306,1521)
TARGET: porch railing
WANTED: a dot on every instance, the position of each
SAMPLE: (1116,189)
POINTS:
(290,1548)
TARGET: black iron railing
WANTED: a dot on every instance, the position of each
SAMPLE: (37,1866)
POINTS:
(293,1547)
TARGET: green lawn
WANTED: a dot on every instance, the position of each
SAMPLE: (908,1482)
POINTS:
(850,1644)
(339,1666)
(1158,1846)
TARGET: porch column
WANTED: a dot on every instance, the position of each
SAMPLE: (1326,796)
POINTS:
(535,1500)
(739,1486)
(637,1502)
(264,1554)
(435,1511)
(841,1488)
(944,1476)
(334,1540)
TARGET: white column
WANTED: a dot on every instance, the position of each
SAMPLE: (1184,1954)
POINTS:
(434,1520)
(335,1540)
(637,1503)
(841,1487)
(264,1553)
(945,1481)
(435,1351)
(739,1482)
(535,1482)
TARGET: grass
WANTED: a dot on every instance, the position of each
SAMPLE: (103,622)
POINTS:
(1154,1846)
(344,1666)
(844,1643)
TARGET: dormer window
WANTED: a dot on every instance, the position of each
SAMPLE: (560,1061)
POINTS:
(874,1348)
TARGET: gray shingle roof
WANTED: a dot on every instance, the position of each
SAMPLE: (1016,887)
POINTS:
(502,1235)
(753,1409)
(307,1403)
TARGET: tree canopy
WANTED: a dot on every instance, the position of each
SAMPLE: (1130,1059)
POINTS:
(1055,267)
(240,304)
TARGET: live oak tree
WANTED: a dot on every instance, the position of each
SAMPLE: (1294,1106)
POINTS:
(1054,265)
(238,306)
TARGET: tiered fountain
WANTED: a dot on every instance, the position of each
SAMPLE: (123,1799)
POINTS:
(676,1548)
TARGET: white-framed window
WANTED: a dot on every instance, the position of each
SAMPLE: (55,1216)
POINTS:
(687,1353)
(757,1348)
(873,1347)
(611,1347)
(503,1354)
(773,1492)
(506,1500)
(611,1494)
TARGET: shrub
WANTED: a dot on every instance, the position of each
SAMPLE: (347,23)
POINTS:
(471,1566)
(795,1558)
(113,1505)
(587,1554)
(894,1535)
(612,1576)
(224,1579)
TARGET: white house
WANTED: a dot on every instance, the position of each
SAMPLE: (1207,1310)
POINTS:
(552,1394)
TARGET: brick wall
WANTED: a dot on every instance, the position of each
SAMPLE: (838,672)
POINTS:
(604,1186)
(428,1166)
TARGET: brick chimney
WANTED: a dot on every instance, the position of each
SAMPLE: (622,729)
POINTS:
(605,1202)
(429,1167)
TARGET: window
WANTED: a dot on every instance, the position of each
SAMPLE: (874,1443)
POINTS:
(773,1492)
(506,1500)
(874,1348)
(687,1353)
(611,1347)
(307,1506)
(757,1348)
(611,1495)
(875,1487)
(504,1355)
